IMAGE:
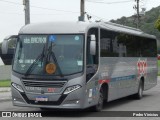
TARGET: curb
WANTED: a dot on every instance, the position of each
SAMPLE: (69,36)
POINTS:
(5,99)
(5,89)
(5,94)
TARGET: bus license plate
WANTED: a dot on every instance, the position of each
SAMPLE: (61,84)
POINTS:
(41,99)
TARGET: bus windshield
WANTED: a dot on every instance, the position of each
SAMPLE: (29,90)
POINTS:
(35,52)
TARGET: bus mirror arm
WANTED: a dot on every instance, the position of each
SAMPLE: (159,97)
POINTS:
(5,42)
(92,44)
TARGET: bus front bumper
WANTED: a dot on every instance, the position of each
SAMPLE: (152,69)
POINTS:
(71,101)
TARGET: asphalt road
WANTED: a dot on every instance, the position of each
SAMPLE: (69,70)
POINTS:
(149,102)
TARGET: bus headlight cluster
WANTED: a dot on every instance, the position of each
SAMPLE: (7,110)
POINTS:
(71,89)
(18,87)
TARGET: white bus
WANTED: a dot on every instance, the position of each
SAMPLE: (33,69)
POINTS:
(76,65)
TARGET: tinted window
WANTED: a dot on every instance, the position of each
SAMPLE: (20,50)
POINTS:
(115,44)
(109,46)
(149,48)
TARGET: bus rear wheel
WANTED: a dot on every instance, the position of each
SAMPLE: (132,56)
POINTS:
(99,106)
(139,95)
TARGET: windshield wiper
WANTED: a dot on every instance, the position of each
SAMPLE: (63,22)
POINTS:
(30,69)
(42,55)
(50,52)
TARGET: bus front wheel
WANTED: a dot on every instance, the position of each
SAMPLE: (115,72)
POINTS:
(99,105)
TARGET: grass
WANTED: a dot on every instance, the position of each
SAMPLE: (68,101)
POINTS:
(5,83)
(158,67)
(158,63)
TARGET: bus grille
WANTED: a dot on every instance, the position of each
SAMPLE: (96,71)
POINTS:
(55,84)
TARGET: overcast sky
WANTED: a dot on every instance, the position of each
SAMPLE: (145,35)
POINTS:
(12,11)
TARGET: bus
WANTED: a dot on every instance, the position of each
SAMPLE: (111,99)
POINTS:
(78,65)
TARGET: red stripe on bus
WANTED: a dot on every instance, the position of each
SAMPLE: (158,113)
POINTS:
(103,81)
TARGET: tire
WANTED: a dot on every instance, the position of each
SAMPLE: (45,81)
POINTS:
(99,106)
(139,95)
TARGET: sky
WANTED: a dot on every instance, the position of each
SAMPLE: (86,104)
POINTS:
(12,11)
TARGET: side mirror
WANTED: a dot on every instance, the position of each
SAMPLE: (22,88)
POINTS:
(4,46)
(5,43)
(92,44)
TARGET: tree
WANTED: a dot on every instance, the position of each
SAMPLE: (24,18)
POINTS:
(157,24)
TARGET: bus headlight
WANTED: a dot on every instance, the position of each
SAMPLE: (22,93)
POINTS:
(71,89)
(18,87)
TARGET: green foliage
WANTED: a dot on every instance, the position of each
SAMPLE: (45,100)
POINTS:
(157,24)
(147,23)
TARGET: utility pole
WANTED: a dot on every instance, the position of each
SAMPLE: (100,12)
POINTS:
(136,7)
(27,11)
(138,20)
(82,10)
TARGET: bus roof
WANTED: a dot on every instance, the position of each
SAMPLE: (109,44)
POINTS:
(54,27)
(78,27)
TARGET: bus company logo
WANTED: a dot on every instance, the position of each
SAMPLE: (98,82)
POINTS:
(51,89)
(6,114)
(142,67)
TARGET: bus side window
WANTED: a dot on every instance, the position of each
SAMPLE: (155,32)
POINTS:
(92,60)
